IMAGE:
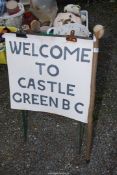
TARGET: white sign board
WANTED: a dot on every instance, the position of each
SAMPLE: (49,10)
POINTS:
(50,74)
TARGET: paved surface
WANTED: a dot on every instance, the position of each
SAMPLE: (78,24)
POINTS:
(52,145)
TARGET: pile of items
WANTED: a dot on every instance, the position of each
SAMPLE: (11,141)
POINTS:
(11,13)
(41,18)
(45,19)
(73,18)
(10,20)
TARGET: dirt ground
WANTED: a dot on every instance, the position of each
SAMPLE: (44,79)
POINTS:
(52,143)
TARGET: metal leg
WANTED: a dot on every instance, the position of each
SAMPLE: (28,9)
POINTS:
(25,123)
(81,133)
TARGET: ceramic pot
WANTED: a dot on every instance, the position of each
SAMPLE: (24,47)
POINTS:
(12,7)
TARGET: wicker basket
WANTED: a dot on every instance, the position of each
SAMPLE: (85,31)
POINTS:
(13,20)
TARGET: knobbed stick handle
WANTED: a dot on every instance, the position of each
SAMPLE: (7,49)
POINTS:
(92,101)
(98,32)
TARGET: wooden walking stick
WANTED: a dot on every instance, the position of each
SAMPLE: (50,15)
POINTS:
(98,33)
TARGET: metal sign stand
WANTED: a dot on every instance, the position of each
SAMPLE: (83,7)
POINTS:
(73,38)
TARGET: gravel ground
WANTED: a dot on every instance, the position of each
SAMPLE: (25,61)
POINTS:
(52,143)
